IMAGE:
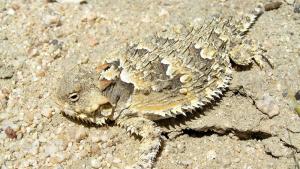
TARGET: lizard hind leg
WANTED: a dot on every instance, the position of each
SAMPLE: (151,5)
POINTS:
(151,139)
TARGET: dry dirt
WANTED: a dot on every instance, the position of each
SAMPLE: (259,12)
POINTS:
(253,126)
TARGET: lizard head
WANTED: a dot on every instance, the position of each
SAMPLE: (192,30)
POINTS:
(80,95)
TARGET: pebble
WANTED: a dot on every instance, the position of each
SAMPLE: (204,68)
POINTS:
(95,149)
(104,137)
(58,166)
(276,147)
(163,13)
(10,11)
(80,134)
(32,52)
(90,17)
(95,138)
(297,7)
(268,106)
(10,133)
(40,73)
(92,41)
(236,160)
(29,116)
(117,160)
(58,158)
(52,20)
(95,163)
(297,95)
(272,5)
(290,2)
(60,143)
(47,112)
(186,163)
(34,149)
(6,71)
(181,148)
(50,149)
(211,155)
(226,163)
(83,60)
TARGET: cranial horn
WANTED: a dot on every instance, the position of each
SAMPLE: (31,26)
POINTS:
(103,84)
(102,67)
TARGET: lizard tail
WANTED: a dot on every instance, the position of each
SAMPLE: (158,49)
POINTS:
(247,21)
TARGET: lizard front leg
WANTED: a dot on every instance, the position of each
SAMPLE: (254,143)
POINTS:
(151,139)
(243,54)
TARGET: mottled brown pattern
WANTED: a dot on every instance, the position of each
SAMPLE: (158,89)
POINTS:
(160,77)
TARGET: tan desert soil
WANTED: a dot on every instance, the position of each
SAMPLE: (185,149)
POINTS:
(253,126)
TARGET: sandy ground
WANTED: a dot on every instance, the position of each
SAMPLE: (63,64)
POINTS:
(39,41)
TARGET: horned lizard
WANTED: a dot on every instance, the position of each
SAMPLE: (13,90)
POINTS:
(160,77)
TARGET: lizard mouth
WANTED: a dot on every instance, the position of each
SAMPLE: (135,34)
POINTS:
(99,116)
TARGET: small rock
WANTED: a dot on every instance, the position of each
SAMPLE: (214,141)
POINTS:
(297,7)
(61,143)
(52,20)
(272,5)
(95,149)
(83,60)
(58,166)
(297,95)
(211,155)
(29,116)
(15,6)
(186,163)
(32,52)
(104,137)
(285,93)
(80,134)
(236,160)
(47,112)
(181,148)
(93,41)
(91,17)
(268,106)
(226,163)
(10,133)
(290,2)
(6,71)
(163,13)
(50,149)
(57,158)
(54,42)
(95,163)
(276,147)
(116,160)
(35,147)
(40,73)
(11,11)
(95,138)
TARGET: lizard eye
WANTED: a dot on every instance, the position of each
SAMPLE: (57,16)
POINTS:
(74,97)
